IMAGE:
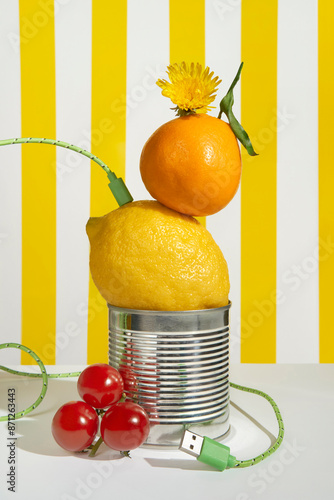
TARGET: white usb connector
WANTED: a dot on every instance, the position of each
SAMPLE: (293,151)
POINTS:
(191,443)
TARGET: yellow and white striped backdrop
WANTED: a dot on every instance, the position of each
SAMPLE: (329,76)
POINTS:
(84,71)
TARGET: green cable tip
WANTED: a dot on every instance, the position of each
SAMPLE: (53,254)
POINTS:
(117,186)
(207,451)
(216,454)
(119,189)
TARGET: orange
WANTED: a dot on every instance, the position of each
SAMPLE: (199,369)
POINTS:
(192,164)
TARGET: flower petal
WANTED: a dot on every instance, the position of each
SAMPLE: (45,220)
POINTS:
(190,88)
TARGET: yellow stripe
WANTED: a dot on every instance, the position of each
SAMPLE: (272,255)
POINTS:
(38,181)
(187,35)
(258,186)
(107,138)
(187,31)
(326,184)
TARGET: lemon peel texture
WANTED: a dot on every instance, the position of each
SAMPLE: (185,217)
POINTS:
(147,256)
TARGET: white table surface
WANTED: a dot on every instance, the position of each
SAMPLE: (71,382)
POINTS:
(302,468)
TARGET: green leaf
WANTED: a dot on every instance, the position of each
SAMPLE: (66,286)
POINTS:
(226,107)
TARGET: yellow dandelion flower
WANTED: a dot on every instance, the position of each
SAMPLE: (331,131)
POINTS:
(190,88)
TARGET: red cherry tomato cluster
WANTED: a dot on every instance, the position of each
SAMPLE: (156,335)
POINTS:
(124,425)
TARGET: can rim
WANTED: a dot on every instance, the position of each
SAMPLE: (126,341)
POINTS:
(167,313)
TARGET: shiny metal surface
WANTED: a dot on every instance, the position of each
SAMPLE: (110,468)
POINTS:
(174,364)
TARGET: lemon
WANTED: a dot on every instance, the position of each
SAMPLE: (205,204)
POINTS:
(147,256)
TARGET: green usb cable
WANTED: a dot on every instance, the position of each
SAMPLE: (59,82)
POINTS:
(116,184)
(218,455)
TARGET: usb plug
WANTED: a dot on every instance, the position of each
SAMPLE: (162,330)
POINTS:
(207,450)
(191,443)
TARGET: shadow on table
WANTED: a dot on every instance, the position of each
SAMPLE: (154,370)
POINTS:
(195,464)
(172,463)
(255,422)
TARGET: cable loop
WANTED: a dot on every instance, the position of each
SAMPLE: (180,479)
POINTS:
(44,375)
(278,442)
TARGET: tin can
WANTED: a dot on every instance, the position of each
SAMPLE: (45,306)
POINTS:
(175,364)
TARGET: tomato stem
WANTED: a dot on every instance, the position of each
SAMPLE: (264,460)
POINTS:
(125,453)
(96,447)
(100,412)
(123,398)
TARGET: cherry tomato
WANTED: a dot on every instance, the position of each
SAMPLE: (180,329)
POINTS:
(125,426)
(100,385)
(75,425)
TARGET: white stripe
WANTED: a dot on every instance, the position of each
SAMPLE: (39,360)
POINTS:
(73,101)
(10,182)
(297,183)
(147,60)
(222,55)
